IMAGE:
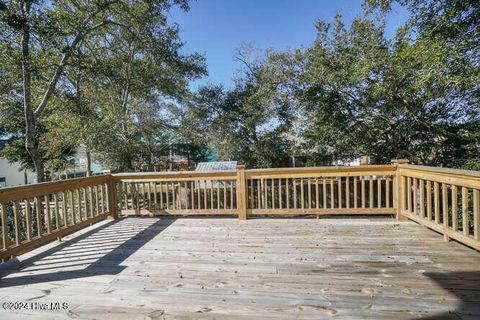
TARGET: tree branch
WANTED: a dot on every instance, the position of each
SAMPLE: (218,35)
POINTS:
(59,70)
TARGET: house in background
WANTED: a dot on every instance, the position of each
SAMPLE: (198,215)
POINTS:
(78,167)
(12,174)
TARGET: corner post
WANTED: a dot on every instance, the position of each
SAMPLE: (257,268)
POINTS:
(241,193)
(112,198)
(398,195)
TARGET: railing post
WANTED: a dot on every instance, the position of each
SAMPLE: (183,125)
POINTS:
(241,193)
(3,214)
(112,198)
(398,194)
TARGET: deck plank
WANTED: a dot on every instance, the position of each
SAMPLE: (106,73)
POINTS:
(222,268)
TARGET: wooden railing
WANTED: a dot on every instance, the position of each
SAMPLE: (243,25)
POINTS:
(327,190)
(444,200)
(33,215)
(176,193)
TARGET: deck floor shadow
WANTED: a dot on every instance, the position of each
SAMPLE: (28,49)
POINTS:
(223,268)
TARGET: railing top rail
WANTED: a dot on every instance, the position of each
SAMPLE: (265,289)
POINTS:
(173,175)
(328,169)
(443,171)
(38,189)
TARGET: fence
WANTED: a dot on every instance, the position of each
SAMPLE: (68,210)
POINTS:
(35,214)
(444,200)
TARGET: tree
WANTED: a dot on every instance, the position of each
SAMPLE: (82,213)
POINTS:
(411,96)
(43,39)
(240,123)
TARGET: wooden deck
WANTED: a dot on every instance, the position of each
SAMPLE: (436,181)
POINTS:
(222,268)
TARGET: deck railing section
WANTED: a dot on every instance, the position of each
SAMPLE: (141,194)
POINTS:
(322,190)
(33,215)
(444,200)
(176,193)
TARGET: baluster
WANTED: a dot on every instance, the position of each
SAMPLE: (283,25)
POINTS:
(162,202)
(231,194)
(347,192)
(422,198)
(379,191)
(476,214)
(211,194)
(465,217)
(309,192)
(409,194)
(362,187)
(28,219)
(167,195)
(355,192)
(90,202)
(339,181)
(295,204)
(264,193)
(3,211)
(287,189)
(97,200)
(445,204)
(218,193)
(86,203)
(150,195)
(56,209)
(387,192)
(252,200)
(280,200)
(324,193)
(273,193)
(436,197)
(48,221)
(155,195)
(143,196)
(429,200)
(192,194)
(302,195)
(332,192)
(38,204)
(125,196)
(370,190)
(205,201)
(415,194)
(16,218)
(77,192)
(225,194)
(72,206)
(454,208)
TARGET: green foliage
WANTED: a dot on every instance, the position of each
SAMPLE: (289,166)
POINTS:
(119,65)
(241,123)
(122,90)
(414,96)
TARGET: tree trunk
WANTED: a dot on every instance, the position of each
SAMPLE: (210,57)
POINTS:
(89,163)
(31,142)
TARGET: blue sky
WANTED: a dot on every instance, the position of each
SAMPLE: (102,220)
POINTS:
(217,27)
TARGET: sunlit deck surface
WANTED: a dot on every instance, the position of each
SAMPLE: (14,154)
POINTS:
(222,268)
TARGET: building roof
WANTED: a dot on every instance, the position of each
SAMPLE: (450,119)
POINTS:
(216,166)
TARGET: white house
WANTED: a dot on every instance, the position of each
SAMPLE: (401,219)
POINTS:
(12,174)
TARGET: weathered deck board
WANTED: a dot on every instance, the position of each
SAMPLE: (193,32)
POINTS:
(222,268)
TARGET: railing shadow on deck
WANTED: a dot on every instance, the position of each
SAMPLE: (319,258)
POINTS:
(465,286)
(113,242)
